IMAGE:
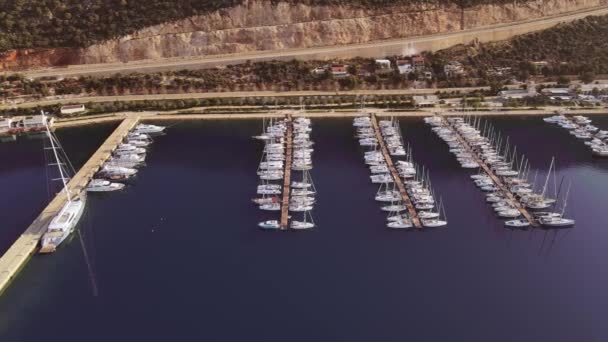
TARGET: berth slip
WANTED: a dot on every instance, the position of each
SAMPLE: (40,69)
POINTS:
(581,127)
(406,193)
(287,153)
(502,175)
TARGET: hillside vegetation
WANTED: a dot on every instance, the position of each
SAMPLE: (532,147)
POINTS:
(77,23)
(568,49)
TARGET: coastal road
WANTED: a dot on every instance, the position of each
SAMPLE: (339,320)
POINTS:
(372,49)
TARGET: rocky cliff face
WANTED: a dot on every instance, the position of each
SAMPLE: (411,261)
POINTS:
(261,25)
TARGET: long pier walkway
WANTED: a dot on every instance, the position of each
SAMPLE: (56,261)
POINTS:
(19,253)
(488,170)
(397,179)
(287,173)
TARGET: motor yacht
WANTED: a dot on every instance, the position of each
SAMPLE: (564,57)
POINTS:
(102,185)
(148,129)
(520,223)
(271,224)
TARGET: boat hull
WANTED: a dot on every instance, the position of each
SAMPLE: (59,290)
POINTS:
(51,240)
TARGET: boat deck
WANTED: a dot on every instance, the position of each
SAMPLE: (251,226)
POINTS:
(398,182)
(488,170)
(287,173)
(18,254)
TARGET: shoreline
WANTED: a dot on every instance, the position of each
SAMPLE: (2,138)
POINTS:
(328,115)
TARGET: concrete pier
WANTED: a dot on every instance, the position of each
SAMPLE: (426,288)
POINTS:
(397,179)
(19,253)
(497,181)
(287,173)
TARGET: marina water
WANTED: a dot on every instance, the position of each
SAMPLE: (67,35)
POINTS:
(177,256)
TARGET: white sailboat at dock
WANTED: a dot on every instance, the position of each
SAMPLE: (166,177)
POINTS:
(65,221)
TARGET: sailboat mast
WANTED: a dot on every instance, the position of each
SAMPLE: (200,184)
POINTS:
(58,161)
(566,198)
(548,176)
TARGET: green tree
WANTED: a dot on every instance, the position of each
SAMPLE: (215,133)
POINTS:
(587,77)
(563,80)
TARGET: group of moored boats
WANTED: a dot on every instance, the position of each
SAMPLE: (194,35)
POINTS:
(64,223)
(417,185)
(506,184)
(280,149)
(128,156)
(581,127)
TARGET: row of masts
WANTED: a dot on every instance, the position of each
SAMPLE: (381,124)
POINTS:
(405,188)
(503,173)
(127,157)
(284,170)
(581,127)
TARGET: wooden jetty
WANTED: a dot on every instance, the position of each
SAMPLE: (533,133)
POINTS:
(397,179)
(19,253)
(287,172)
(497,181)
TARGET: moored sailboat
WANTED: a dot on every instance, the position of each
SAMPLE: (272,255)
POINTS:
(65,221)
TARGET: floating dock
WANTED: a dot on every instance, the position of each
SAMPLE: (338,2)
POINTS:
(488,170)
(287,172)
(397,179)
(19,253)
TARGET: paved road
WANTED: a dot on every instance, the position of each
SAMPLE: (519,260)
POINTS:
(237,94)
(372,49)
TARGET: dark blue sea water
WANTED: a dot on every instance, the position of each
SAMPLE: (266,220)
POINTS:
(178,256)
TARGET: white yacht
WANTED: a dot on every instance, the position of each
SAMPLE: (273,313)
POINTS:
(432,223)
(556,222)
(521,223)
(131,158)
(394,208)
(139,143)
(118,170)
(300,185)
(301,225)
(132,136)
(130,151)
(509,213)
(102,185)
(300,207)
(271,224)
(65,221)
(428,214)
(400,224)
(273,206)
(600,151)
(148,129)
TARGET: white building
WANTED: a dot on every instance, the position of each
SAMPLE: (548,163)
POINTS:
(558,92)
(383,65)
(405,67)
(518,93)
(72,109)
(588,88)
(453,69)
(425,100)
(339,70)
(36,121)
